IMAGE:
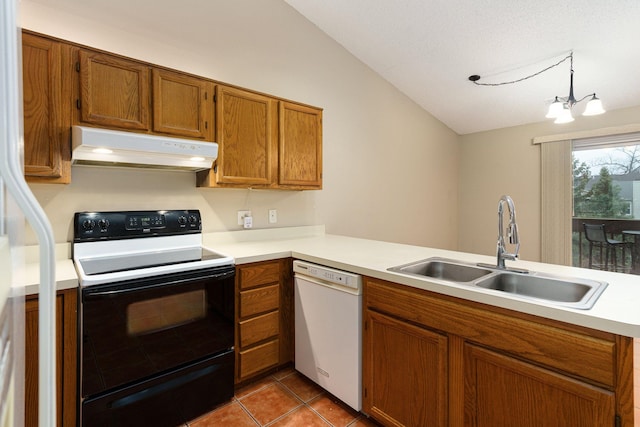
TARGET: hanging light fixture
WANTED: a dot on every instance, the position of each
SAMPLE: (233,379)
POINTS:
(560,108)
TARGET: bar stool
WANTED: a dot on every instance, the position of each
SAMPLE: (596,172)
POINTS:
(597,237)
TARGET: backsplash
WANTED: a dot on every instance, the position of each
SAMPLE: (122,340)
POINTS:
(107,188)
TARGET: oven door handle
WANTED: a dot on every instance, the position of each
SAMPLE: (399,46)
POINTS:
(90,294)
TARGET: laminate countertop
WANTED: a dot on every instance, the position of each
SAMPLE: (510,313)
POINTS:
(616,311)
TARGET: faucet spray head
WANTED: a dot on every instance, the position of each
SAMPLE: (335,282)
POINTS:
(514,239)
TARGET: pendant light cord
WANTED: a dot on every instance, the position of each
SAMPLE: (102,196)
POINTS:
(474,78)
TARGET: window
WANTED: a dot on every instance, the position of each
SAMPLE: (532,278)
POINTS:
(606,190)
(558,224)
(604,180)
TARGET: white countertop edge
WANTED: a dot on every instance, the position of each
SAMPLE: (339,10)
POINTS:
(467,292)
(61,285)
(359,256)
(616,310)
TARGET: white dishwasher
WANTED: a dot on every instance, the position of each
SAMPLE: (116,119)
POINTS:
(328,329)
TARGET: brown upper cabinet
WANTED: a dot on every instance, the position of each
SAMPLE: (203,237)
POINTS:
(114,92)
(264,141)
(119,93)
(300,146)
(246,131)
(182,105)
(46,87)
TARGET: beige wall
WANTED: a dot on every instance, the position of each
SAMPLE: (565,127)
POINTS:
(390,168)
(505,161)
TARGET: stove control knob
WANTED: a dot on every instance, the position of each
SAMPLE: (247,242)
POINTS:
(193,219)
(88,224)
(103,223)
(182,220)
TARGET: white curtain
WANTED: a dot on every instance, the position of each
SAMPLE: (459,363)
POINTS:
(557,202)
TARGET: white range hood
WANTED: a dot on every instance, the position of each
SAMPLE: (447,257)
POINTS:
(104,147)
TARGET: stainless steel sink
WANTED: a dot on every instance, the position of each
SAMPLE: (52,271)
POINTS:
(565,291)
(576,293)
(443,269)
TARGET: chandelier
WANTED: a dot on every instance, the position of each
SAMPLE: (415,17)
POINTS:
(560,109)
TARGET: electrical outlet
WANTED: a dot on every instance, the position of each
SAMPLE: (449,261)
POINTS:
(273,216)
(241,215)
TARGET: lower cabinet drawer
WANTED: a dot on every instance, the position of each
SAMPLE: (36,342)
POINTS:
(259,328)
(259,300)
(258,358)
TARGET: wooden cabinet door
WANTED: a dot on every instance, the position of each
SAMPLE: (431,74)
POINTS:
(404,373)
(182,105)
(300,146)
(66,356)
(114,92)
(31,362)
(501,391)
(46,115)
(245,132)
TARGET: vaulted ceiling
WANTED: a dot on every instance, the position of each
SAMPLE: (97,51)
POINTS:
(429,48)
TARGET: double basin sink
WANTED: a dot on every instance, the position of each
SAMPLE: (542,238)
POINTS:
(571,292)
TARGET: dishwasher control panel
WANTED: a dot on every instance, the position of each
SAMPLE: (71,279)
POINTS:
(327,274)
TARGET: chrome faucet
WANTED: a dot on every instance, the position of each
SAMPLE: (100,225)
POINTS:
(512,233)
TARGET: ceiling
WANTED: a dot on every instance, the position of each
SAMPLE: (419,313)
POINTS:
(429,48)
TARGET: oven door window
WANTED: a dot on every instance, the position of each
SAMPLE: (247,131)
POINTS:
(137,329)
(158,314)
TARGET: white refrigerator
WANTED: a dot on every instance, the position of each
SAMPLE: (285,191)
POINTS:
(17,207)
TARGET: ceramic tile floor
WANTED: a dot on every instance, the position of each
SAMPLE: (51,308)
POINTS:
(285,398)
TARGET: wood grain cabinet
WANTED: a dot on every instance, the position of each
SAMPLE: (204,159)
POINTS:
(433,360)
(263,317)
(506,391)
(300,146)
(246,131)
(46,84)
(121,93)
(265,143)
(66,358)
(114,92)
(407,386)
(182,105)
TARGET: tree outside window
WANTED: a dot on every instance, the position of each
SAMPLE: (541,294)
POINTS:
(610,192)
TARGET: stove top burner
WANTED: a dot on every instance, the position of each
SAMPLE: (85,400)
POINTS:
(115,246)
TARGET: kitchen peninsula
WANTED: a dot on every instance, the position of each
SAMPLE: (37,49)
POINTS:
(468,356)
(582,358)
